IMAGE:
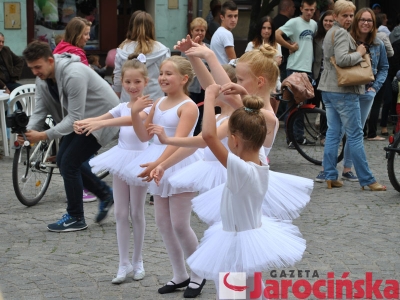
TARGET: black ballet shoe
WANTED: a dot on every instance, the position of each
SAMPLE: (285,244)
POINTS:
(172,287)
(193,293)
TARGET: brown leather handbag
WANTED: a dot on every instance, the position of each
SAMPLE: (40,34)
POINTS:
(358,74)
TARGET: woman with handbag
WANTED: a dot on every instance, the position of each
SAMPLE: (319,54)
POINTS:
(342,101)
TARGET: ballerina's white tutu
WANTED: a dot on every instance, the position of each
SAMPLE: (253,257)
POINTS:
(113,160)
(129,146)
(204,174)
(244,240)
(152,153)
(169,120)
(276,244)
(286,197)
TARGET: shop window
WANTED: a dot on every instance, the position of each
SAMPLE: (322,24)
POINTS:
(51,17)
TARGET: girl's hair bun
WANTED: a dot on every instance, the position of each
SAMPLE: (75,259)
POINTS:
(268,51)
(253,103)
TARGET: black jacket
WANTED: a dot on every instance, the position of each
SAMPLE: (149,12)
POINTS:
(14,65)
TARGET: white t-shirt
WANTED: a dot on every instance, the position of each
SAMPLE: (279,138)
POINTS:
(302,33)
(243,194)
(221,39)
(250,46)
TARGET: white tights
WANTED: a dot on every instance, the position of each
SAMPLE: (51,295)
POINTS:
(129,200)
(172,216)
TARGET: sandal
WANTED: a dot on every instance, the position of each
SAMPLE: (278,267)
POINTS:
(377,138)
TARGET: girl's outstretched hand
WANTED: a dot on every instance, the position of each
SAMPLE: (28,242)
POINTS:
(141,103)
(146,173)
(233,89)
(77,127)
(157,174)
(86,126)
(159,131)
(184,44)
(199,51)
(212,92)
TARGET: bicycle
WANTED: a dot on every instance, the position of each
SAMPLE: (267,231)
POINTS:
(393,160)
(313,120)
(34,164)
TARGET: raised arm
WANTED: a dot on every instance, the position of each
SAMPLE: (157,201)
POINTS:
(201,71)
(189,142)
(209,132)
(137,122)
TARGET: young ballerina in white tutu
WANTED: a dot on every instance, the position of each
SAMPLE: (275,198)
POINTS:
(256,73)
(178,114)
(129,200)
(244,241)
(206,173)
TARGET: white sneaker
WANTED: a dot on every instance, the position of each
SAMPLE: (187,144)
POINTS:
(138,271)
(122,272)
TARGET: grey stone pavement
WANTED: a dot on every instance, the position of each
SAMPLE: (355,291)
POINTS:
(347,230)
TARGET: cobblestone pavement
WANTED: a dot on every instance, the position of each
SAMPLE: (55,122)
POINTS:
(347,230)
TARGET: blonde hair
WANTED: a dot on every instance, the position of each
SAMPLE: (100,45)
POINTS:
(143,33)
(183,67)
(262,63)
(249,123)
(230,71)
(343,5)
(133,63)
(197,22)
(74,30)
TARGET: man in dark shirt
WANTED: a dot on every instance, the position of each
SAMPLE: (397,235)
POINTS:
(286,10)
(10,67)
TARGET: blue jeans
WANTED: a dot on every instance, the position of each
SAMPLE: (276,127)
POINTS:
(343,110)
(366,101)
(74,151)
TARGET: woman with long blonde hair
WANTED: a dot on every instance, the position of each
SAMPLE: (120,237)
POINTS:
(141,39)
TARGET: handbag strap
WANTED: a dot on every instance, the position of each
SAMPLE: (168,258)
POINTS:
(353,40)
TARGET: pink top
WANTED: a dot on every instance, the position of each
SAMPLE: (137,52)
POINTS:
(63,47)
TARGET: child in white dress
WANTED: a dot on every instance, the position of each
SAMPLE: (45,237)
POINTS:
(206,173)
(129,200)
(256,73)
(178,114)
(245,241)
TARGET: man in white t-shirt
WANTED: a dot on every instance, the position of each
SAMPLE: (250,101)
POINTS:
(300,31)
(222,42)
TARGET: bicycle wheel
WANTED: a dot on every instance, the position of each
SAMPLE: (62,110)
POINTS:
(306,130)
(393,165)
(31,172)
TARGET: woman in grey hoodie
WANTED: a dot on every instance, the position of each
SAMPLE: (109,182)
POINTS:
(141,39)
